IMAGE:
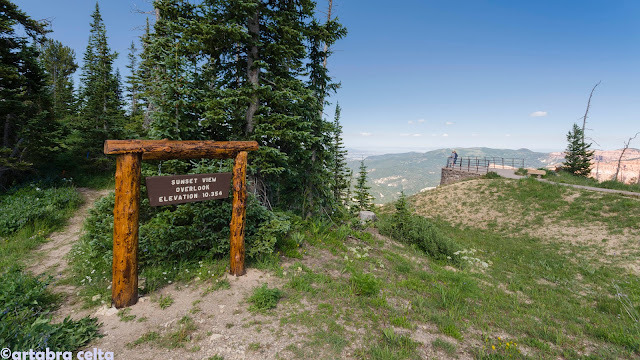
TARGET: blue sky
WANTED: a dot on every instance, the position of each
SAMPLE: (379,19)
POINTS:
(420,75)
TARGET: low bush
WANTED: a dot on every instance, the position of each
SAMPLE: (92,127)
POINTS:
(492,175)
(264,299)
(521,172)
(173,240)
(23,207)
(364,284)
(26,312)
(418,231)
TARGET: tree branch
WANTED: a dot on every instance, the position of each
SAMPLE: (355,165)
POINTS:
(626,146)
(584,119)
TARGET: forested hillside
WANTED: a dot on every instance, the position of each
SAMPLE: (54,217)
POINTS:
(413,172)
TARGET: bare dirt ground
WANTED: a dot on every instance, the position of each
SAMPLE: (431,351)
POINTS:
(49,256)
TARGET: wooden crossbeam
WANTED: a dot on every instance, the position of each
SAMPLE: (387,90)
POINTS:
(130,153)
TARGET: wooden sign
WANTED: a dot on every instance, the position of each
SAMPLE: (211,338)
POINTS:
(180,189)
(129,155)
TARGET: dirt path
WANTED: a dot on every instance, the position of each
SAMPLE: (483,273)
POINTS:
(49,258)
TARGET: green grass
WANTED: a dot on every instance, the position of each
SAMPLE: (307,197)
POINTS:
(164,301)
(28,214)
(264,299)
(566,178)
(549,297)
(177,337)
(444,345)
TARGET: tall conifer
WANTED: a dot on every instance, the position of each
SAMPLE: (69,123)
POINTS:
(101,114)
(577,156)
(363,198)
(340,172)
(237,70)
(59,63)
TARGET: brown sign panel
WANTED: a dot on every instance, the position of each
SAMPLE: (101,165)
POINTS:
(180,189)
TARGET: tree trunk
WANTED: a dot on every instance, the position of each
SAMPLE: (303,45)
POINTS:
(7,129)
(626,146)
(253,72)
(584,119)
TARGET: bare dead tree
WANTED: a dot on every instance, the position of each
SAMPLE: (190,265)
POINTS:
(626,146)
(326,47)
(584,119)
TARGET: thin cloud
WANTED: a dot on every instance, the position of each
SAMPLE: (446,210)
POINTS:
(421,121)
(449,123)
(445,135)
(417,135)
(410,122)
(507,135)
(366,134)
(538,114)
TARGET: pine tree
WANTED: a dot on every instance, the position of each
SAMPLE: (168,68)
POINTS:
(578,156)
(402,215)
(362,196)
(133,80)
(237,70)
(59,63)
(101,112)
(27,128)
(339,169)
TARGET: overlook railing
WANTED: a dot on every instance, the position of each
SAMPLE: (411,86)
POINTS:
(482,165)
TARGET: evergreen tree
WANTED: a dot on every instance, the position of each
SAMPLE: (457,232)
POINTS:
(341,173)
(133,80)
(578,156)
(101,112)
(59,62)
(144,75)
(237,70)
(27,128)
(402,215)
(362,196)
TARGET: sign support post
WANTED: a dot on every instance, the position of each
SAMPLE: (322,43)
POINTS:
(124,284)
(239,213)
(124,287)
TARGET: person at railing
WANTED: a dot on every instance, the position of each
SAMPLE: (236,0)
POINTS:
(454,155)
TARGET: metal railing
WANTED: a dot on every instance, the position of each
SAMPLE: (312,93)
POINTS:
(482,165)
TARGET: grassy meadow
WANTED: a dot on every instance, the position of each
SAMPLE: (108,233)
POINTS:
(516,286)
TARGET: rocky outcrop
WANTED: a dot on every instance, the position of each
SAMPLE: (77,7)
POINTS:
(450,176)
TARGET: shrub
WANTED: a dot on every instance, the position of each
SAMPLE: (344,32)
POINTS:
(491,175)
(191,231)
(29,204)
(521,172)
(25,320)
(420,232)
(364,284)
(264,299)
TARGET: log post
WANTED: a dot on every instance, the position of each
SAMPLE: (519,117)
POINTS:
(238,215)
(124,286)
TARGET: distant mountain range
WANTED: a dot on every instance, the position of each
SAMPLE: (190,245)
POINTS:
(413,172)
